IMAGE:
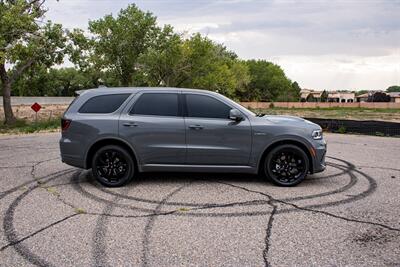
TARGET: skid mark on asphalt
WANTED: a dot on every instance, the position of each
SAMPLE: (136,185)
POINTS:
(99,253)
(149,226)
(185,209)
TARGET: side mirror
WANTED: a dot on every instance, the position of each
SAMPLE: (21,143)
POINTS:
(235,115)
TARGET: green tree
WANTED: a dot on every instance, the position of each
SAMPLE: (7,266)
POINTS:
(393,88)
(53,82)
(164,63)
(268,82)
(24,43)
(211,66)
(115,44)
(296,91)
(196,62)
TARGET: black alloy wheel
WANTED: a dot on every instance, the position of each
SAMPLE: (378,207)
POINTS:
(113,166)
(286,165)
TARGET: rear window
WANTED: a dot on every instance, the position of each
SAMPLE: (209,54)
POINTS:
(103,103)
(157,104)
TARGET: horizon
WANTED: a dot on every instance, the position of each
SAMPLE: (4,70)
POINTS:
(346,45)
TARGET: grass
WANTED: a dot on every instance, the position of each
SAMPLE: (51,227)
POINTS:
(337,113)
(23,126)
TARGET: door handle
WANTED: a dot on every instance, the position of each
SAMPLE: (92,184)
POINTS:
(130,124)
(196,127)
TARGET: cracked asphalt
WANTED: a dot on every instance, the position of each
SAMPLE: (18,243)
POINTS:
(52,214)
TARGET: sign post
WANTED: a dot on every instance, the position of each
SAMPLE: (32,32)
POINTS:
(36,107)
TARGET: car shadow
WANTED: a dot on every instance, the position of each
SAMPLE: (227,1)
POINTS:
(176,177)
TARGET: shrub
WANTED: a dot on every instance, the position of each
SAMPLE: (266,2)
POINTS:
(342,129)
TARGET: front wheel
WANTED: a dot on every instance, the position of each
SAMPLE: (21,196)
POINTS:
(112,166)
(286,165)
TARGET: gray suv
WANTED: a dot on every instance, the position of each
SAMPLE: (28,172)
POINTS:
(121,131)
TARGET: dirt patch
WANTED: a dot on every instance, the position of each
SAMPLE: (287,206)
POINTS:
(47,112)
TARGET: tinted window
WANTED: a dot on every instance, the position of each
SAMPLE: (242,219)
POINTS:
(103,103)
(156,104)
(206,107)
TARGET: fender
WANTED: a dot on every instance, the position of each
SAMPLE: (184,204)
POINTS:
(287,138)
(111,137)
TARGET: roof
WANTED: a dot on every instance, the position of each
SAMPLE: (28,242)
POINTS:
(334,95)
(362,95)
(316,94)
(394,94)
(304,95)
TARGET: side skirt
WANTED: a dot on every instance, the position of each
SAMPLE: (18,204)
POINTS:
(196,168)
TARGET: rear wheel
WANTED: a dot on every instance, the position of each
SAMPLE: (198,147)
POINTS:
(112,166)
(286,165)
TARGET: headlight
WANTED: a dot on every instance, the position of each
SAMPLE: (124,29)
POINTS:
(317,134)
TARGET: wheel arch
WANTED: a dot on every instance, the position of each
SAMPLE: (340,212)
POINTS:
(298,143)
(108,141)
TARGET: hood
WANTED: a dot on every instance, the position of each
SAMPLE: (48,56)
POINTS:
(291,120)
(279,118)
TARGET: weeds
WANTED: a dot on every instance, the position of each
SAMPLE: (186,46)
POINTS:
(23,126)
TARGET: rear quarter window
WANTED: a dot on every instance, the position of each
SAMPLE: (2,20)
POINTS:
(70,105)
(103,103)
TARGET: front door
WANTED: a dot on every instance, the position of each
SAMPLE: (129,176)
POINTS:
(155,128)
(211,137)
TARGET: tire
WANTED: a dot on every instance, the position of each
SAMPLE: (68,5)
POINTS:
(286,165)
(113,166)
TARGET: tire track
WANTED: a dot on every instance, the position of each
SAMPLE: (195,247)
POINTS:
(150,224)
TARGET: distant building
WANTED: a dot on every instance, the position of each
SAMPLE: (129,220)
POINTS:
(379,96)
(308,95)
(363,97)
(341,97)
(394,97)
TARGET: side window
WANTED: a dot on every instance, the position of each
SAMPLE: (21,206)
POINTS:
(206,107)
(159,104)
(103,103)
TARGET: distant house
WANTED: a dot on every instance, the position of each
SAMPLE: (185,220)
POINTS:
(379,96)
(308,95)
(363,97)
(304,94)
(341,97)
(394,97)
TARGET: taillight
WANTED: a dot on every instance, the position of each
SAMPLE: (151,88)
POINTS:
(65,124)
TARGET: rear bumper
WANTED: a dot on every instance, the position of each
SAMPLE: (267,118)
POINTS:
(67,149)
(72,161)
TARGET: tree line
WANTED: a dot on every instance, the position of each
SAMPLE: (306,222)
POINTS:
(129,49)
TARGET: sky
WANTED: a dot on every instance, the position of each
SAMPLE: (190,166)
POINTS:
(325,45)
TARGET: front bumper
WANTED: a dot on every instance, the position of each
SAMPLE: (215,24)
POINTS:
(320,149)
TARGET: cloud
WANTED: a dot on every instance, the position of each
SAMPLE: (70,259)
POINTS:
(300,35)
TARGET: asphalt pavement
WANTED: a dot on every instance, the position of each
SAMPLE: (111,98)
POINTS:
(52,214)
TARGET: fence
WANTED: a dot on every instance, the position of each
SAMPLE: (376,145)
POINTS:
(55,100)
(42,100)
(265,105)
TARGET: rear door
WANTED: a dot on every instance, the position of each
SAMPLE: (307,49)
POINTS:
(154,126)
(211,137)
